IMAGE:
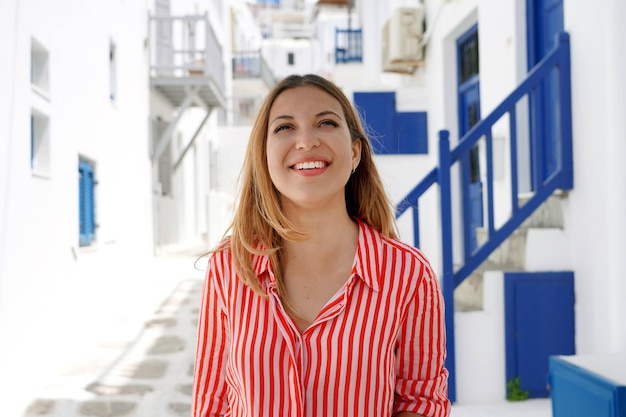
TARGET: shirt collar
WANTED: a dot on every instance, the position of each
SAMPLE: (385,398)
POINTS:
(368,256)
(366,263)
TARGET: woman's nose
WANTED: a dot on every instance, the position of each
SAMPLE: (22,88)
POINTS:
(307,139)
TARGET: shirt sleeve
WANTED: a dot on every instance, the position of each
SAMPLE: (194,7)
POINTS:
(209,393)
(421,378)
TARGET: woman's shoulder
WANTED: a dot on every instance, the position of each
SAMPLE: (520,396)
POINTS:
(219,255)
(392,247)
(390,243)
(402,246)
(222,260)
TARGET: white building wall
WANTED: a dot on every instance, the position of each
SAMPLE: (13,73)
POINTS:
(228,150)
(41,264)
(276,51)
(616,108)
(596,205)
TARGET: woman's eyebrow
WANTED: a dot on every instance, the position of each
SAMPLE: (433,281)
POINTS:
(284,116)
(320,114)
(327,112)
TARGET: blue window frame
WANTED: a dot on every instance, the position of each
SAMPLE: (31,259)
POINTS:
(87,217)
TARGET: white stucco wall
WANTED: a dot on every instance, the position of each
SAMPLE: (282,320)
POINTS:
(275,52)
(596,206)
(616,108)
(40,258)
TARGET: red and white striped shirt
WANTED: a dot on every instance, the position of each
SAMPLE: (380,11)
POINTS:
(375,349)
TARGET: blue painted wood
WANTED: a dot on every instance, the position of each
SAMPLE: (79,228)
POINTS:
(578,392)
(539,323)
(545,20)
(469,114)
(550,61)
(87,220)
(411,133)
(348,46)
(377,110)
(565,164)
(513,161)
(448,284)
(416,225)
(559,59)
(490,210)
(412,199)
(391,132)
(512,224)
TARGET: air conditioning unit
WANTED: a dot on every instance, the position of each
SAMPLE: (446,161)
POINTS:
(402,37)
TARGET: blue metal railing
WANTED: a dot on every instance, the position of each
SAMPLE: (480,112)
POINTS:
(348,45)
(556,61)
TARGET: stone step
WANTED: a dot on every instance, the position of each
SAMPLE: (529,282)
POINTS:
(514,252)
(548,215)
(537,249)
(539,244)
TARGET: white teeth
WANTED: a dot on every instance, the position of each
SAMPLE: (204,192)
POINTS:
(310,165)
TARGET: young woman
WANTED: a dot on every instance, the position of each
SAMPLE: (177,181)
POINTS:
(311,306)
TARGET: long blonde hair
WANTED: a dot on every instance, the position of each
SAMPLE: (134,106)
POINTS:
(259,225)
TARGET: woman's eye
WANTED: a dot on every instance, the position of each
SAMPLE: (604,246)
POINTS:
(281,127)
(329,123)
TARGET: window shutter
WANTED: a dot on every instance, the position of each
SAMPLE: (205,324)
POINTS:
(86,203)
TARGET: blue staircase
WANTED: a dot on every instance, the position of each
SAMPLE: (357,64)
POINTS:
(553,71)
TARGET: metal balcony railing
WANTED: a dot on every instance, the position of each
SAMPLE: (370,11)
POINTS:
(185,51)
(251,64)
(348,46)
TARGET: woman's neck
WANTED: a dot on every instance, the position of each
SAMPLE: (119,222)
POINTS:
(327,237)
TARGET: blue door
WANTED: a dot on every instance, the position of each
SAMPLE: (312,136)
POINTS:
(469,115)
(545,20)
(539,323)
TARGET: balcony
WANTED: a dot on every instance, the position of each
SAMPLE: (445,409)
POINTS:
(251,65)
(252,80)
(186,61)
(348,46)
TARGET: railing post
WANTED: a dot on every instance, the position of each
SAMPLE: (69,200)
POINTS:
(566,163)
(416,225)
(446,255)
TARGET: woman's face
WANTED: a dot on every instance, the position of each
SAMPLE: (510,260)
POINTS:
(310,154)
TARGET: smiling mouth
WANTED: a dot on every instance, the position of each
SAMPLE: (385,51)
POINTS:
(301,166)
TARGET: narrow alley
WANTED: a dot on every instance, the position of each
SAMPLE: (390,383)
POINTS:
(138,360)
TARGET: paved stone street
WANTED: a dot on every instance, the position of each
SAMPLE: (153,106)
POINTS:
(149,375)
(140,362)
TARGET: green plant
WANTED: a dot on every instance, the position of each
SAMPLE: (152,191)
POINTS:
(514,392)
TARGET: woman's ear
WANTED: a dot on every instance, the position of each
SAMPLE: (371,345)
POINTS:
(356,153)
